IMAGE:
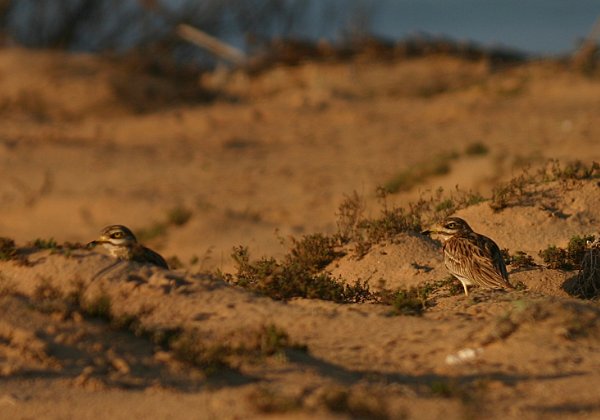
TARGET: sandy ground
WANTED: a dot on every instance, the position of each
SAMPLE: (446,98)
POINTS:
(273,157)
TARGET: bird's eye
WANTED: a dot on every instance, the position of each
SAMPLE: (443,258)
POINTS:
(451,225)
(117,235)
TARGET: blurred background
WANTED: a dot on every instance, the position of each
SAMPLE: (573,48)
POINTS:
(208,124)
(534,26)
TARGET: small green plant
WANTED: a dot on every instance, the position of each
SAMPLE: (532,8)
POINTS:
(174,262)
(477,149)
(445,389)
(587,282)
(8,250)
(523,189)
(409,302)
(569,258)
(364,232)
(99,306)
(189,347)
(244,345)
(576,170)
(349,215)
(519,259)
(271,400)
(295,276)
(313,251)
(179,216)
(408,178)
(360,404)
(45,244)
(516,192)
(154,231)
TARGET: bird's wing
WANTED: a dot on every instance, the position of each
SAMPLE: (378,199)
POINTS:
(147,256)
(477,258)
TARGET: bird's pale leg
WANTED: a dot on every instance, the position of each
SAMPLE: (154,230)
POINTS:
(466,289)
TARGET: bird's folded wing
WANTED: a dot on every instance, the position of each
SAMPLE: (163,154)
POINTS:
(479,262)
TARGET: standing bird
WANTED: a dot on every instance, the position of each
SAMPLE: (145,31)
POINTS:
(122,244)
(469,256)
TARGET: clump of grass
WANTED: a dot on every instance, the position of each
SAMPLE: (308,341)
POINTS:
(45,244)
(415,300)
(189,347)
(523,189)
(408,178)
(314,251)
(100,306)
(363,404)
(576,170)
(477,149)
(411,301)
(272,340)
(64,249)
(174,262)
(270,400)
(8,250)
(245,345)
(179,216)
(516,192)
(519,259)
(293,277)
(154,231)
(567,259)
(587,282)
(349,216)
(364,232)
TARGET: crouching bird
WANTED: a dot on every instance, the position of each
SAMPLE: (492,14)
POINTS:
(472,258)
(122,244)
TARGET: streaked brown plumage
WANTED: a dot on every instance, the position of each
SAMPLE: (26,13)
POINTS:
(122,244)
(471,257)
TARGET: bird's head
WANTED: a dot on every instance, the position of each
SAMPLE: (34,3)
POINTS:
(448,228)
(114,236)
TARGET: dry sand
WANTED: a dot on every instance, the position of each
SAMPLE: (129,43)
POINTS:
(278,161)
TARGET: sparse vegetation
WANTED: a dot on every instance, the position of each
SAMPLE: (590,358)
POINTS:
(295,276)
(244,345)
(477,149)
(364,232)
(99,306)
(8,249)
(523,190)
(569,258)
(587,282)
(412,301)
(520,259)
(357,404)
(177,216)
(416,299)
(154,231)
(271,400)
(45,244)
(408,178)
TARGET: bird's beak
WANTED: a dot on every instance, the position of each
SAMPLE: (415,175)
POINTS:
(101,240)
(430,230)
